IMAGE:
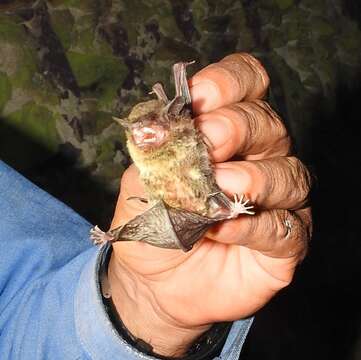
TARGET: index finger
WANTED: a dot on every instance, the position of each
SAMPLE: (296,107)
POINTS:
(236,77)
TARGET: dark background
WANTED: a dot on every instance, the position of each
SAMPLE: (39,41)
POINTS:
(67,66)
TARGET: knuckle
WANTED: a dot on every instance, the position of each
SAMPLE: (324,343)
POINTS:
(275,129)
(254,64)
(268,179)
(252,114)
(277,125)
(305,216)
(250,121)
(301,237)
(248,72)
(282,219)
(282,182)
(265,130)
(301,179)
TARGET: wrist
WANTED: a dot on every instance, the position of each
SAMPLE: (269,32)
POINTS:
(136,303)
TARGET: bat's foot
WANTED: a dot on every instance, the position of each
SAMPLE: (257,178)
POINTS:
(99,237)
(240,207)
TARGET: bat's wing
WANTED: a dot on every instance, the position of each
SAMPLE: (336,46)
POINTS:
(188,226)
(161,226)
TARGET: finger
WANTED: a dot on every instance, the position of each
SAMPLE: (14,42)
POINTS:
(277,183)
(250,129)
(236,77)
(275,233)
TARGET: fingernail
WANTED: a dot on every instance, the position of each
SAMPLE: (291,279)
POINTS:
(216,131)
(233,181)
(205,97)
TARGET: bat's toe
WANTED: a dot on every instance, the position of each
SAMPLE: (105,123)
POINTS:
(99,237)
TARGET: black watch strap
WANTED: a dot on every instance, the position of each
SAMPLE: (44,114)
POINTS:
(206,347)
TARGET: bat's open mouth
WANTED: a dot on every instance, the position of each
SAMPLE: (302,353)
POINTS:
(149,136)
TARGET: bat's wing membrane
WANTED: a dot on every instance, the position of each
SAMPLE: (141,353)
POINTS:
(164,226)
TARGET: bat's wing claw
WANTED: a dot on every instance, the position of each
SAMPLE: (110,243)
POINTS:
(99,237)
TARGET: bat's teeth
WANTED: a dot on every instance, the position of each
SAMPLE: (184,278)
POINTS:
(148,130)
(144,130)
(149,140)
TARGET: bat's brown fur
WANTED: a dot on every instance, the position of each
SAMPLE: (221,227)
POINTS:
(178,172)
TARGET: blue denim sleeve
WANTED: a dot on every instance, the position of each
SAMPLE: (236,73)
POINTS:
(50,301)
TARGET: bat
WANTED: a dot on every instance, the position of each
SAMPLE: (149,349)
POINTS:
(176,170)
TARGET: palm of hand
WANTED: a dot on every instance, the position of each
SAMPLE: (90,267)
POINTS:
(213,282)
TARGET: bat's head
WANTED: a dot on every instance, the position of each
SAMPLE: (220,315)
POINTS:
(149,124)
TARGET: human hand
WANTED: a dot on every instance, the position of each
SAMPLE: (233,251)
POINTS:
(168,297)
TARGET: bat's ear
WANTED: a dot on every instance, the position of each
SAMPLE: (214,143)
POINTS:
(158,90)
(122,122)
(175,106)
(180,80)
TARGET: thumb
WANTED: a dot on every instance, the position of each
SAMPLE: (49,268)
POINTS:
(128,205)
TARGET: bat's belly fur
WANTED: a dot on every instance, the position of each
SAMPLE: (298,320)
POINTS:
(179,173)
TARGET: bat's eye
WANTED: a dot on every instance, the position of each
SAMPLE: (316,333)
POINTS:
(151,136)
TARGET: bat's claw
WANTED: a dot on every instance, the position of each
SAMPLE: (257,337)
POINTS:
(240,207)
(99,237)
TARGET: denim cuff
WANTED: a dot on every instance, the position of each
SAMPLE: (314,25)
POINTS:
(100,339)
